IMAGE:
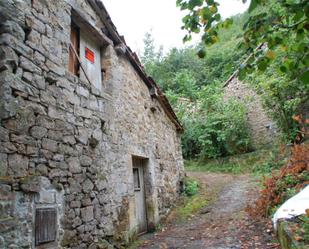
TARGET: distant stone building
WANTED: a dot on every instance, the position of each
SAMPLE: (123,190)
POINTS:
(90,151)
(263,130)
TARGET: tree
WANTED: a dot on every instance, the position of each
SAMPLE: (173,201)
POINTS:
(151,57)
(149,54)
(220,62)
(279,24)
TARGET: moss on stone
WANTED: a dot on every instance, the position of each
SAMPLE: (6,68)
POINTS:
(286,238)
(68,238)
(6,179)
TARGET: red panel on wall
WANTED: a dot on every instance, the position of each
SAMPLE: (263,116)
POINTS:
(89,55)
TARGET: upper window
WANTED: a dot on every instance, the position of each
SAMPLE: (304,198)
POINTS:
(137,185)
(74,50)
(85,57)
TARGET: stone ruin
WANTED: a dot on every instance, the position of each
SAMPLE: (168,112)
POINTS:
(263,130)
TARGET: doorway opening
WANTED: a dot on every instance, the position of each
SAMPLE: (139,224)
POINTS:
(139,169)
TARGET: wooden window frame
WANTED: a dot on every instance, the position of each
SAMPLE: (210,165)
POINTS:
(81,25)
(138,187)
(74,66)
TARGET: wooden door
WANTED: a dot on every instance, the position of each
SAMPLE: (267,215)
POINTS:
(139,190)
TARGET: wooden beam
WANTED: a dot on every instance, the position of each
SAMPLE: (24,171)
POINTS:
(81,21)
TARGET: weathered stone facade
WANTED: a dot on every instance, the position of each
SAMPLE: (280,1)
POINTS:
(263,130)
(66,145)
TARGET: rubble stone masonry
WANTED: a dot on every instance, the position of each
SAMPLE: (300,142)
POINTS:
(66,145)
(263,130)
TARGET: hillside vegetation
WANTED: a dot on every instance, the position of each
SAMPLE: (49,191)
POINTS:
(213,127)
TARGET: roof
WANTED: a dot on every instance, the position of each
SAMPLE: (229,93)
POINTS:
(120,45)
(235,74)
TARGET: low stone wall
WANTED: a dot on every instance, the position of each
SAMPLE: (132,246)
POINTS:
(285,237)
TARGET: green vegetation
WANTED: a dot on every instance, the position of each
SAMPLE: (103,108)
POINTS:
(303,231)
(183,73)
(190,187)
(190,207)
(191,202)
(216,127)
(259,163)
(216,166)
(277,23)
(283,98)
(280,71)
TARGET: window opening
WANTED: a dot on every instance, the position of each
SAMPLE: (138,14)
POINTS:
(137,185)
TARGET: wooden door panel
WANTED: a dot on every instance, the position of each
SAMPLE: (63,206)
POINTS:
(139,191)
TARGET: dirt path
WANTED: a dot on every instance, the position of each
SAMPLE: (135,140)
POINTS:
(223,224)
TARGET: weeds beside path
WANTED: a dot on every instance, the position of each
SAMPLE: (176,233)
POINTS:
(220,223)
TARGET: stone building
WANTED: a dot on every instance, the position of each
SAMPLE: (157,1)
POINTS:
(263,130)
(90,151)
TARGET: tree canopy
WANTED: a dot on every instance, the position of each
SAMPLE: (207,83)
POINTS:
(281,24)
(278,72)
(213,127)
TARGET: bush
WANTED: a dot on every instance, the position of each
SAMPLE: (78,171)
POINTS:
(274,160)
(191,187)
(214,127)
(284,184)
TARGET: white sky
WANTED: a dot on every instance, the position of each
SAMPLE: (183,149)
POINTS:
(133,18)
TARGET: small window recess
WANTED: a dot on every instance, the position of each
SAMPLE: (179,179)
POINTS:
(86,52)
(137,184)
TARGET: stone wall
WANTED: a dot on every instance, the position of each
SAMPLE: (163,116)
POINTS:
(63,139)
(263,129)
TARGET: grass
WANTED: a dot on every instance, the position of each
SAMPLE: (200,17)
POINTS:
(258,162)
(218,167)
(135,244)
(191,202)
(190,207)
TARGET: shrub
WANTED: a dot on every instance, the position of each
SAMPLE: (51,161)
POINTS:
(284,184)
(274,160)
(214,127)
(191,187)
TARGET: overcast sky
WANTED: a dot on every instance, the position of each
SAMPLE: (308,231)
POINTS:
(133,18)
